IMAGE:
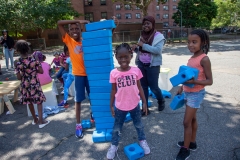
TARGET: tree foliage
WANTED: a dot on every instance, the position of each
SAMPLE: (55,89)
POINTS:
(228,13)
(25,15)
(195,13)
(142,4)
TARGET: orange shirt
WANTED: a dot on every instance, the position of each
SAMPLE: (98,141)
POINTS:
(76,55)
(196,63)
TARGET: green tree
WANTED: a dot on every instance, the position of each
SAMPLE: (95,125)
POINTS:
(195,13)
(228,13)
(142,4)
(25,15)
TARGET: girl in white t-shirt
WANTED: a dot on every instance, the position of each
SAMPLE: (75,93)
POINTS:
(126,88)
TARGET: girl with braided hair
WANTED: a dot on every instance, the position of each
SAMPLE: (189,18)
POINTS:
(198,44)
(126,88)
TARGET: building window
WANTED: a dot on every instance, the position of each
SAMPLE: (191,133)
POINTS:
(127,6)
(118,6)
(88,2)
(138,16)
(165,16)
(104,15)
(165,8)
(128,16)
(137,8)
(103,2)
(174,0)
(174,7)
(157,8)
(118,15)
(165,24)
(89,17)
(158,16)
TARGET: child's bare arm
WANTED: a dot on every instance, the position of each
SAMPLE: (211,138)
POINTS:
(40,70)
(19,77)
(61,24)
(144,102)
(112,98)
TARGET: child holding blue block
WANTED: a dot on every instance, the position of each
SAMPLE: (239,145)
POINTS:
(198,44)
(126,88)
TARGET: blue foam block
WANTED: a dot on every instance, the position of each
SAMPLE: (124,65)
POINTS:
(99,83)
(100,76)
(165,94)
(97,34)
(128,118)
(101,114)
(106,24)
(86,123)
(149,103)
(99,96)
(104,125)
(109,135)
(97,108)
(98,55)
(196,72)
(149,92)
(177,102)
(96,41)
(182,77)
(97,49)
(99,70)
(99,63)
(99,135)
(133,151)
(100,89)
(103,102)
(104,119)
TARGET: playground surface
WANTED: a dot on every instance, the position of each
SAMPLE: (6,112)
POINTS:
(218,134)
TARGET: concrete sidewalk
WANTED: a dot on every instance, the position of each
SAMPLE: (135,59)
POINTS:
(218,136)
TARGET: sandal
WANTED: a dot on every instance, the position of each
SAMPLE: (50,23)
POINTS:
(43,125)
(33,122)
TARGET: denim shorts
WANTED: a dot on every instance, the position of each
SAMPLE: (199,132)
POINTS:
(194,99)
(81,83)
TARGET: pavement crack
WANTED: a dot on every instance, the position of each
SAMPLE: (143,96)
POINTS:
(60,141)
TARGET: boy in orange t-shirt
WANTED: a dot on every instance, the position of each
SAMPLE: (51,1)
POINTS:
(73,41)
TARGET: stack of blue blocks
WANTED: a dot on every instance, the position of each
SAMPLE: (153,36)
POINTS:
(98,60)
(185,73)
(133,151)
(177,102)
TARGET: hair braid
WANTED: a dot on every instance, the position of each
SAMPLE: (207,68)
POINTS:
(205,42)
(123,45)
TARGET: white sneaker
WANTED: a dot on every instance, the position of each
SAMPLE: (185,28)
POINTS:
(61,87)
(62,92)
(112,151)
(144,146)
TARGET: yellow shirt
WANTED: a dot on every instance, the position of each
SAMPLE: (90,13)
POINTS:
(76,55)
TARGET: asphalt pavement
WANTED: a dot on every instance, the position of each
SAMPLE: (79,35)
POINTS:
(218,136)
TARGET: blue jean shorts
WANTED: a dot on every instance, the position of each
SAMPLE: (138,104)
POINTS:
(81,84)
(194,99)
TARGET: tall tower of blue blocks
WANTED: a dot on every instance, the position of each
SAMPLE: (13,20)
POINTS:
(98,60)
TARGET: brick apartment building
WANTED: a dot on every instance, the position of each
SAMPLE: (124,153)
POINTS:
(94,10)
(129,18)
